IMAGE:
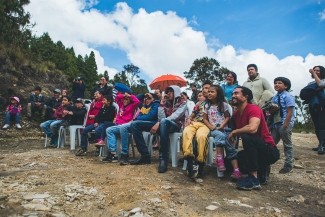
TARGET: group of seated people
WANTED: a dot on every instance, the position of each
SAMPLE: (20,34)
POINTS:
(226,113)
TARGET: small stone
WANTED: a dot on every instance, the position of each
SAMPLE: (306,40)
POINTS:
(245,205)
(155,200)
(166,187)
(29,206)
(36,196)
(37,201)
(296,198)
(303,132)
(310,171)
(135,210)
(234,202)
(172,210)
(41,207)
(3,197)
(297,166)
(71,194)
(276,210)
(211,207)
(2,206)
(198,180)
(320,202)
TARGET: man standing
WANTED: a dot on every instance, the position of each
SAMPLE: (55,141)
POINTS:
(194,93)
(259,147)
(78,88)
(171,117)
(36,102)
(261,88)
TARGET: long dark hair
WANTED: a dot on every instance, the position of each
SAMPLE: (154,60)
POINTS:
(321,73)
(233,75)
(220,97)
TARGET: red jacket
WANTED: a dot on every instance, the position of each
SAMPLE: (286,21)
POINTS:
(58,113)
(95,107)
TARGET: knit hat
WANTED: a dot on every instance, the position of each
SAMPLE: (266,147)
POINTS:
(286,82)
(15,98)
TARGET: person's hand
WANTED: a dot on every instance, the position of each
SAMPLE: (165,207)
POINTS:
(155,128)
(65,112)
(285,125)
(232,136)
(220,128)
(213,127)
(126,95)
(53,109)
(37,103)
(188,122)
(95,125)
(91,117)
(311,71)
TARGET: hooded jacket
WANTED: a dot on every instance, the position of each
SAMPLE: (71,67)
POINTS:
(173,111)
(95,107)
(78,115)
(125,114)
(149,112)
(258,86)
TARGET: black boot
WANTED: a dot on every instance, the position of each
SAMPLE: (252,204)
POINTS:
(141,160)
(321,142)
(162,165)
(200,170)
(317,134)
(124,159)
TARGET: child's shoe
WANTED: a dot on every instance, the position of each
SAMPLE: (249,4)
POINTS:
(236,175)
(6,126)
(221,165)
(100,143)
(18,126)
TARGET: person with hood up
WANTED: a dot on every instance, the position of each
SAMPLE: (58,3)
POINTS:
(171,117)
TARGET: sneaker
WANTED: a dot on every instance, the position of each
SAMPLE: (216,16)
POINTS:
(100,143)
(236,175)
(249,183)
(221,165)
(200,171)
(192,169)
(263,174)
(285,169)
(18,126)
(81,151)
(6,126)
(114,158)
(124,159)
(108,158)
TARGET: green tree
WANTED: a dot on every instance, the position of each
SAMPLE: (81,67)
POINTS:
(303,119)
(15,23)
(205,69)
(90,69)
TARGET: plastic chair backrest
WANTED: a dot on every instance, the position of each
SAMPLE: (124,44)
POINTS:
(86,115)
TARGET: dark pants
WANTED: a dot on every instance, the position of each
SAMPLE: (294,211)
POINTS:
(318,117)
(258,153)
(137,127)
(103,131)
(165,128)
(86,130)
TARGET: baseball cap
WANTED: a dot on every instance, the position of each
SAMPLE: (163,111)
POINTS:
(79,100)
(57,91)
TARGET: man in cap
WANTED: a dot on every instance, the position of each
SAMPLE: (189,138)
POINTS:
(36,102)
(259,147)
(52,104)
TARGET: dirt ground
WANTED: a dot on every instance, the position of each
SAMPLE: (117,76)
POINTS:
(38,181)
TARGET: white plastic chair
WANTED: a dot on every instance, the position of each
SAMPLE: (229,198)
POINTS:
(73,129)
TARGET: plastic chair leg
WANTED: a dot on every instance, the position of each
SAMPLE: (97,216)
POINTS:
(72,138)
(45,141)
(184,165)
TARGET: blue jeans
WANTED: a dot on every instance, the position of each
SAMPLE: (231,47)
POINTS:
(105,126)
(220,139)
(8,115)
(51,127)
(137,127)
(86,130)
(122,130)
(165,128)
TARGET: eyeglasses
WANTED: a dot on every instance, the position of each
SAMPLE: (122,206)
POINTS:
(148,98)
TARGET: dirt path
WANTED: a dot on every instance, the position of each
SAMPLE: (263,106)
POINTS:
(38,181)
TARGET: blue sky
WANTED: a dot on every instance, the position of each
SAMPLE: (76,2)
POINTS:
(280,27)
(281,37)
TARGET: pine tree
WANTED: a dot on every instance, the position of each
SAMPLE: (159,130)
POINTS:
(90,69)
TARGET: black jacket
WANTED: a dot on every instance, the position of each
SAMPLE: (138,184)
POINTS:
(53,102)
(106,90)
(33,98)
(78,116)
(106,113)
(78,90)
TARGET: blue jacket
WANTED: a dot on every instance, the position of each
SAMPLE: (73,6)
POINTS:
(149,112)
(312,96)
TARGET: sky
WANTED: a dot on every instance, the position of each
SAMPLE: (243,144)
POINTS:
(283,37)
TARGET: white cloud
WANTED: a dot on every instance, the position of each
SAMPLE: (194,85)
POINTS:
(157,42)
(322,15)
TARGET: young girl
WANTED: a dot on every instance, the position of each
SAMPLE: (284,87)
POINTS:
(216,117)
(13,110)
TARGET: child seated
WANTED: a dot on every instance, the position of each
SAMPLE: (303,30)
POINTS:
(13,110)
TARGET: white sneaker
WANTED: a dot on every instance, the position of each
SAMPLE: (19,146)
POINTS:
(18,126)
(6,126)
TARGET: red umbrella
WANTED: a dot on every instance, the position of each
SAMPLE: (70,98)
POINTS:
(166,80)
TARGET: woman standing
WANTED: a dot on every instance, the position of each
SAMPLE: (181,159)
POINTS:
(317,113)
(231,84)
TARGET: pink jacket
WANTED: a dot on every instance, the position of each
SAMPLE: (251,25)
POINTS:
(125,115)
